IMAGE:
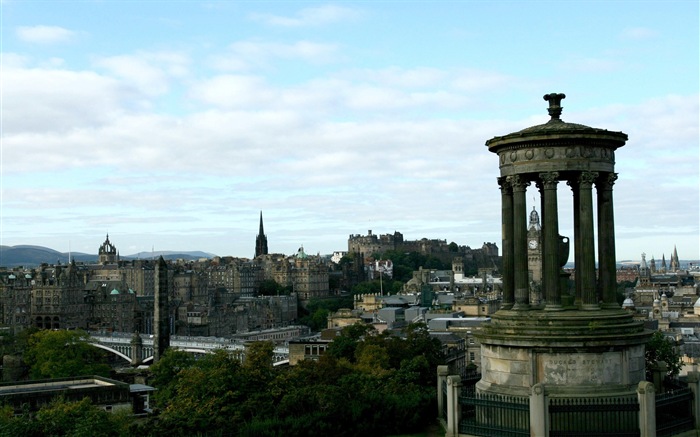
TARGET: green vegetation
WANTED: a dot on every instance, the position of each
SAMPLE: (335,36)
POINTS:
(366,384)
(662,348)
(58,354)
(315,314)
(62,418)
(270,287)
(385,286)
(405,263)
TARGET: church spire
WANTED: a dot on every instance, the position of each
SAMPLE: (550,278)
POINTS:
(261,240)
(675,264)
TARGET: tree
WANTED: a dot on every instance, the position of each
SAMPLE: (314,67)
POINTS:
(207,395)
(165,374)
(315,315)
(65,418)
(662,348)
(270,287)
(59,354)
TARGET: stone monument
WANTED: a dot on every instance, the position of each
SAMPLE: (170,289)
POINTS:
(581,343)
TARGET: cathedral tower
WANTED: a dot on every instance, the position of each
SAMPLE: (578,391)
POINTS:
(261,240)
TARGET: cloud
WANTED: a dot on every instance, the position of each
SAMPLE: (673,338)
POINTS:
(37,101)
(638,33)
(249,55)
(316,16)
(590,64)
(339,151)
(148,72)
(44,34)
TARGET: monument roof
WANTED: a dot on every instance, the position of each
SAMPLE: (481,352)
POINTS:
(556,127)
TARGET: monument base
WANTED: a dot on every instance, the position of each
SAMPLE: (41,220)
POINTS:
(570,352)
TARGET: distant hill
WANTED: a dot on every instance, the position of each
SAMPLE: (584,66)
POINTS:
(32,256)
(170,254)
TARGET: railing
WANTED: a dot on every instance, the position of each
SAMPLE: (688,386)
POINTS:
(495,415)
(465,411)
(593,417)
(674,412)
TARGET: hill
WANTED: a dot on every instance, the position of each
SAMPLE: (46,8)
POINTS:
(32,256)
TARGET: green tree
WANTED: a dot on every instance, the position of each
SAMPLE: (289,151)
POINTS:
(270,287)
(77,419)
(64,418)
(662,348)
(58,354)
(207,396)
(346,343)
(315,315)
(165,373)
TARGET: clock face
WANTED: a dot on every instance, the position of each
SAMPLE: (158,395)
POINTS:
(532,244)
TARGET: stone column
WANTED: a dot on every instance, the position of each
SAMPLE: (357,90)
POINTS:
(136,349)
(454,384)
(507,233)
(442,373)
(522,286)
(647,409)
(538,411)
(694,386)
(550,231)
(586,270)
(607,265)
(577,240)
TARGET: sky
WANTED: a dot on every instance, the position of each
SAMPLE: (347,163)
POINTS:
(171,125)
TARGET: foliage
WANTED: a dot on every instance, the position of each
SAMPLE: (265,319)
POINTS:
(385,286)
(59,354)
(366,384)
(63,418)
(270,287)
(16,343)
(621,290)
(165,373)
(315,315)
(662,348)
(405,263)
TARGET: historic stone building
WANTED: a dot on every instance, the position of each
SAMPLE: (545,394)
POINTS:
(57,300)
(370,244)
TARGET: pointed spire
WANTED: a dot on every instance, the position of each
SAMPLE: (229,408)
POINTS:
(261,240)
(675,263)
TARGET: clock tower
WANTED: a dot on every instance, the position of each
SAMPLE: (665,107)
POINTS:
(534,247)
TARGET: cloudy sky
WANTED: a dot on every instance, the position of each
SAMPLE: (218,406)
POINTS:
(171,125)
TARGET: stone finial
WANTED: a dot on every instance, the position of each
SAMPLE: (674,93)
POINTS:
(554,100)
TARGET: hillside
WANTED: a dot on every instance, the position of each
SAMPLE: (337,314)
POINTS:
(32,256)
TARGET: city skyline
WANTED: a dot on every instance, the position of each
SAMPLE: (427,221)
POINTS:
(171,127)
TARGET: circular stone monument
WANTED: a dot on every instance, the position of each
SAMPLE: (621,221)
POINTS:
(579,343)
